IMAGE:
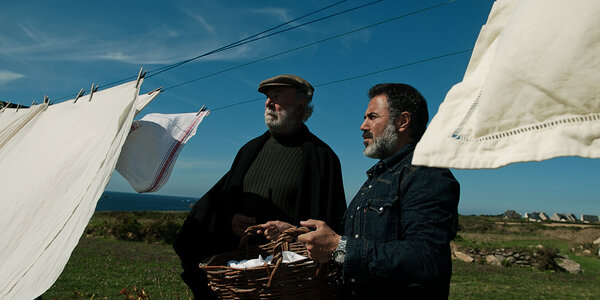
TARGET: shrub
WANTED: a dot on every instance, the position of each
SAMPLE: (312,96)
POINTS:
(163,229)
(128,228)
(546,259)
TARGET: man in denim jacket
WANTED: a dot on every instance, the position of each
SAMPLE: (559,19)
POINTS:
(398,227)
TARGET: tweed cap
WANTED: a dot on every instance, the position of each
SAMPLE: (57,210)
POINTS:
(286,80)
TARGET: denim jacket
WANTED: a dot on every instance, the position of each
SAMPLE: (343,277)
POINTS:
(398,228)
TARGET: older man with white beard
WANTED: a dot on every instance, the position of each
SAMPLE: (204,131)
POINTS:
(285,174)
(398,227)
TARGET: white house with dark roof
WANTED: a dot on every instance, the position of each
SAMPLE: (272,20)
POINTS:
(559,217)
(533,216)
(589,218)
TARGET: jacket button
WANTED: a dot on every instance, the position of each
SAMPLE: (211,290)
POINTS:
(358,208)
(381,209)
(356,236)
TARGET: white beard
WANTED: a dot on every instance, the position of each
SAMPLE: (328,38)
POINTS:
(383,146)
(283,122)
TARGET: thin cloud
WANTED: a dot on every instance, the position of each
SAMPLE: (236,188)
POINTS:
(156,46)
(201,20)
(8,76)
(278,14)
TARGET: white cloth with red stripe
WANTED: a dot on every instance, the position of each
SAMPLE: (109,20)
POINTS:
(530,92)
(152,147)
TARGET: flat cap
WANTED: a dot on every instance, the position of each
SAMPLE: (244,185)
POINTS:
(286,80)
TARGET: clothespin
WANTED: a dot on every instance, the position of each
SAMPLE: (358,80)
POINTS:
(33,102)
(18,104)
(46,100)
(156,90)
(81,92)
(141,75)
(203,108)
(92,90)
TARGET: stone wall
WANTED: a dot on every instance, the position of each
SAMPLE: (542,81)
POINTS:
(535,257)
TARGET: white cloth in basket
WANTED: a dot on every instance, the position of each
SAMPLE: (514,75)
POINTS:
(288,257)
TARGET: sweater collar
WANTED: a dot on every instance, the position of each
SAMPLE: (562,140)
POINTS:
(293,139)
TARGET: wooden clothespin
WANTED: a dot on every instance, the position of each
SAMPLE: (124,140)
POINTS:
(46,100)
(92,90)
(203,108)
(155,90)
(81,92)
(141,75)
(18,105)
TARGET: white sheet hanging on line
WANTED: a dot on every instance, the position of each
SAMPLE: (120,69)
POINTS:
(11,121)
(153,146)
(530,92)
(53,171)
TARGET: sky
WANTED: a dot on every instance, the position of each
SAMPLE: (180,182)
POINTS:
(55,48)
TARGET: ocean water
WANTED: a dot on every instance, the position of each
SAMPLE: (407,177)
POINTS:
(117,201)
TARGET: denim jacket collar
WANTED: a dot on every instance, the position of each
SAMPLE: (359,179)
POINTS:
(391,162)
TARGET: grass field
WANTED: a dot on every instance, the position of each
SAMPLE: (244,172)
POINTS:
(102,266)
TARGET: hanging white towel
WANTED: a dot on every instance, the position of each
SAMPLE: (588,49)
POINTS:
(153,146)
(53,170)
(530,92)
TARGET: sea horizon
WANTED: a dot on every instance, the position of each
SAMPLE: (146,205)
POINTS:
(123,201)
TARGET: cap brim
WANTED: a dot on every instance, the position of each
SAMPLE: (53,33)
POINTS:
(264,88)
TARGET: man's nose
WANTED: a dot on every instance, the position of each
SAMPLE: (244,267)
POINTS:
(364,126)
(269,102)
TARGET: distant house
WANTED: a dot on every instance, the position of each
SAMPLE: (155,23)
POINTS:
(589,218)
(533,216)
(544,216)
(559,217)
(511,214)
(563,217)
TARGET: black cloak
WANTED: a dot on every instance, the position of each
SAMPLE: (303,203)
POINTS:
(207,228)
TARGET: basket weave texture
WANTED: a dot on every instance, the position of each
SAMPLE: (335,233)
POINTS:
(303,279)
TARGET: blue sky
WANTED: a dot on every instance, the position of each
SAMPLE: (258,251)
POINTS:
(58,47)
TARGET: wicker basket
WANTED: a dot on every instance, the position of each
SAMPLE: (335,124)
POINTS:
(303,279)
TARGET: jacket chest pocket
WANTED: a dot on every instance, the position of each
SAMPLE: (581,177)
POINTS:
(381,220)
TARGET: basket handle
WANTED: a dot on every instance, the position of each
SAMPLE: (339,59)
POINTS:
(281,244)
(250,231)
(290,233)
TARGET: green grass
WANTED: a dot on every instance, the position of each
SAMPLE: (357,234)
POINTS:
(478,281)
(100,268)
(101,265)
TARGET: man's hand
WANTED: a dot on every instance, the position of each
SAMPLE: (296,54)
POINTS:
(273,229)
(321,242)
(239,223)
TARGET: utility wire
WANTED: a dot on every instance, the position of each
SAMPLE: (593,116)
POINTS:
(359,76)
(310,44)
(252,38)
(245,41)
(257,36)
(235,44)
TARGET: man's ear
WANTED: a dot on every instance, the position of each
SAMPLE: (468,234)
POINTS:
(404,121)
